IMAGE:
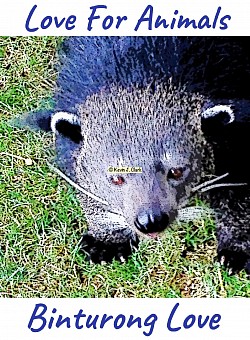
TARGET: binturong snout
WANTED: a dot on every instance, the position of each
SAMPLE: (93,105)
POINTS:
(152,220)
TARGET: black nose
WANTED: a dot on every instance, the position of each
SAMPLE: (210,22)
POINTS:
(151,223)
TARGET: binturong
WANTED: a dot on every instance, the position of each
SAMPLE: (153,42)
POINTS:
(176,108)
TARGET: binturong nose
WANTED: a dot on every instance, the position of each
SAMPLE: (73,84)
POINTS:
(151,220)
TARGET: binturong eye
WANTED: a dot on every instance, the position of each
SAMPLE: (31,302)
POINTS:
(117,180)
(175,173)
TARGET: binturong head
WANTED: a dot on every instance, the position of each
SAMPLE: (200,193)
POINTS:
(156,134)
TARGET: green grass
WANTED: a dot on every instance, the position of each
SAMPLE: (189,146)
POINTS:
(41,221)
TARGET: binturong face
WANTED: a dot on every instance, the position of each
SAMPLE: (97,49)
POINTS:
(141,153)
(147,198)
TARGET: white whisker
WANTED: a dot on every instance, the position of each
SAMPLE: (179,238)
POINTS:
(209,182)
(222,185)
(75,185)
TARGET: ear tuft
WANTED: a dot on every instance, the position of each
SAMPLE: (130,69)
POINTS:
(223,113)
(68,125)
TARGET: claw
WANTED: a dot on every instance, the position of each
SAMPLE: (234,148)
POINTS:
(103,253)
(133,246)
(233,261)
(222,260)
(122,259)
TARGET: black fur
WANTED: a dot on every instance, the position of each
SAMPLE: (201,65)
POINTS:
(216,67)
(99,251)
(72,131)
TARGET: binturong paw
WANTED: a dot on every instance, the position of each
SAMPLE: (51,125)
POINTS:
(233,260)
(103,252)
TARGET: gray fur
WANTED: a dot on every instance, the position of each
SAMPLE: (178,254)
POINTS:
(137,130)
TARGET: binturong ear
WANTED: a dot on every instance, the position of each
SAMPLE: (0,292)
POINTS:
(216,118)
(67,125)
(221,113)
(229,118)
